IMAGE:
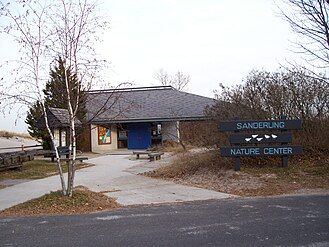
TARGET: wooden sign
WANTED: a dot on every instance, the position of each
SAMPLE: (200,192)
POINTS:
(260,151)
(260,125)
(260,138)
(267,137)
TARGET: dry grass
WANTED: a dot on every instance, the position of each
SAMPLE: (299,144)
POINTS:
(54,203)
(36,169)
(258,177)
(171,147)
(187,164)
(9,134)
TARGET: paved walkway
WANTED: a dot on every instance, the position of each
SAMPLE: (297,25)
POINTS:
(115,176)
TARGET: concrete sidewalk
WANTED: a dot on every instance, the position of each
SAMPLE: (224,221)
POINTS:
(115,176)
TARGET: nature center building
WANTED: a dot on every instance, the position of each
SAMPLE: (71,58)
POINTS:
(138,118)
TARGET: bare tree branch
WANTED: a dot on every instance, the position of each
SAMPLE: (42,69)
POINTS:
(178,80)
(309,19)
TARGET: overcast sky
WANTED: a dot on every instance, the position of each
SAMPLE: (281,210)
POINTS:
(213,41)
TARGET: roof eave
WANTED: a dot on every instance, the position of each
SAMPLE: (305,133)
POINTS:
(109,121)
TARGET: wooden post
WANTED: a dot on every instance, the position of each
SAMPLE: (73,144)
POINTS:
(284,159)
(22,147)
(237,164)
(237,160)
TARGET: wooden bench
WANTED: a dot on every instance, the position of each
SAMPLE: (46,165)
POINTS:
(152,155)
(155,155)
(138,153)
(81,159)
(65,151)
(62,151)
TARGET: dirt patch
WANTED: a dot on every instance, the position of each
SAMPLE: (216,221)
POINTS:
(224,181)
(258,177)
(54,203)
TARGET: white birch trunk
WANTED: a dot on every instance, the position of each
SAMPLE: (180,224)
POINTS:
(37,83)
(72,138)
(58,160)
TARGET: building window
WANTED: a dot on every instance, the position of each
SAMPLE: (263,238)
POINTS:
(63,138)
(122,135)
(104,135)
(56,137)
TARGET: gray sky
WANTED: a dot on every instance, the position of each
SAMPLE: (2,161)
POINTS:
(214,41)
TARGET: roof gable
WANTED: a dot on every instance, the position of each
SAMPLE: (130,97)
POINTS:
(57,118)
(62,116)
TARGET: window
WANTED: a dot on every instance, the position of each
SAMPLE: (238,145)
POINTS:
(122,135)
(104,135)
(63,138)
(56,137)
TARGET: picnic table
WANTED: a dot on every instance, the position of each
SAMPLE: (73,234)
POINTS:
(63,151)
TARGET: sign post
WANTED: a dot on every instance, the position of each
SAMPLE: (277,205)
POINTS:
(260,138)
(237,162)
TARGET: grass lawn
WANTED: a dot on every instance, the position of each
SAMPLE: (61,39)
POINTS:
(82,201)
(36,169)
(258,176)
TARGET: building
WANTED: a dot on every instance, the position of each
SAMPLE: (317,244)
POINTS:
(137,118)
(58,121)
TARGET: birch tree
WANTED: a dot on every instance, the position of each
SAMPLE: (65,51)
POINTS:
(45,30)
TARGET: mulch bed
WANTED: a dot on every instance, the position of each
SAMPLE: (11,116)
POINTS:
(54,203)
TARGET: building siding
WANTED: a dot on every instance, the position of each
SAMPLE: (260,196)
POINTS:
(95,147)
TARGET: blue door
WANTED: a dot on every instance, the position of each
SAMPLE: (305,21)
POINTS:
(139,136)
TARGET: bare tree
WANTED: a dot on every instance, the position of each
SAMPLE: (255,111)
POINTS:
(178,80)
(45,30)
(269,95)
(26,87)
(162,77)
(310,19)
(76,27)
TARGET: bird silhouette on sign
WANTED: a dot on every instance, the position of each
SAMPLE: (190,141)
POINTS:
(248,139)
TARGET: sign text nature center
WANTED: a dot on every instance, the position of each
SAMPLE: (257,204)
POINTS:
(260,138)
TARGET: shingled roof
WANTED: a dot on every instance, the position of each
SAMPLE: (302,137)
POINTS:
(145,104)
(57,117)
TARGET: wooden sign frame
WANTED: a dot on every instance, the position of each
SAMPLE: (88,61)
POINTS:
(273,139)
